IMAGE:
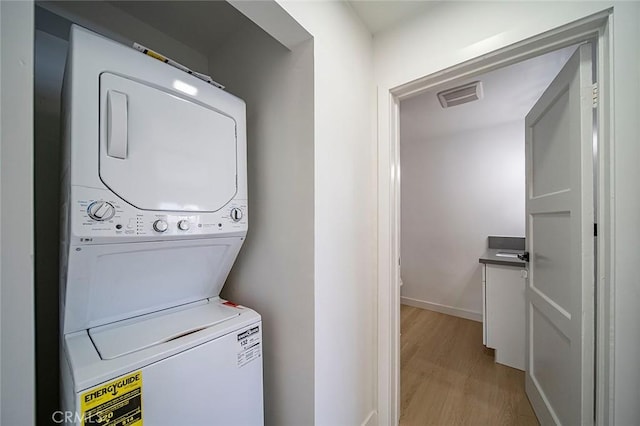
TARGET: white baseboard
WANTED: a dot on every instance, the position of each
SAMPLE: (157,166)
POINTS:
(372,419)
(443,309)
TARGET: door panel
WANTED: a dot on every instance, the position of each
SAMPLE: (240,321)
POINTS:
(560,288)
(159,151)
(550,154)
(552,362)
(551,261)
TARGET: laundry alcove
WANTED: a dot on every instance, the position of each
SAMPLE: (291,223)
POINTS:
(274,271)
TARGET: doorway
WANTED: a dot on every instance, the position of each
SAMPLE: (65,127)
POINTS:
(594,27)
(462,155)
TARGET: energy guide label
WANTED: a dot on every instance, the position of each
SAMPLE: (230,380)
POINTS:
(249,346)
(116,403)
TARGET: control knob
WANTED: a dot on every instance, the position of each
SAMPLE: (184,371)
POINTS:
(160,225)
(236,214)
(101,210)
(183,225)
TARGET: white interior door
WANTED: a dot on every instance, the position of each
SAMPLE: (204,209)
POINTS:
(560,288)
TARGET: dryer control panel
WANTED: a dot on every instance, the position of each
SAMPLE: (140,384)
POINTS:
(98,215)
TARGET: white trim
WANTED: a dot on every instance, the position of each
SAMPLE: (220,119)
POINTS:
(443,309)
(605,288)
(371,420)
(593,26)
(388,277)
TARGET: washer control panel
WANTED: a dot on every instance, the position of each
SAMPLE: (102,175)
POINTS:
(98,213)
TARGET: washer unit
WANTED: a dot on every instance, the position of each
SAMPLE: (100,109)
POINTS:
(154,214)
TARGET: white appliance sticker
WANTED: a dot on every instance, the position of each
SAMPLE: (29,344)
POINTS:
(249,346)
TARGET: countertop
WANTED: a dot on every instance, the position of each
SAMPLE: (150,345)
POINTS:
(490,257)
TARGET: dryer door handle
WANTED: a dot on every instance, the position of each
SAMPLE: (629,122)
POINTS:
(117,124)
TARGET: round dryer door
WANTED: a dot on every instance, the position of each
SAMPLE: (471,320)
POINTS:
(160,151)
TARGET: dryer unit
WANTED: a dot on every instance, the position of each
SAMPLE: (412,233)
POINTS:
(154,214)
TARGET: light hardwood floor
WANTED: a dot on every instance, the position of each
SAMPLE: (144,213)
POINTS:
(448,377)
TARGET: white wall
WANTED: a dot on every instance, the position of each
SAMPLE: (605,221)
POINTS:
(16,214)
(457,189)
(454,32)
(274,271)
(626,207)
(345,243)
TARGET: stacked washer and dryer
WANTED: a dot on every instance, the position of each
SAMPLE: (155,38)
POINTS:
(154,214)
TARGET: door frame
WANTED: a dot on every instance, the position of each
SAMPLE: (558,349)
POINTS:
(596,28)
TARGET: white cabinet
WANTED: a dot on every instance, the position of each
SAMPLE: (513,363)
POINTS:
(504,313)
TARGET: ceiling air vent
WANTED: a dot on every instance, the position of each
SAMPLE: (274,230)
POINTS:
(461,95)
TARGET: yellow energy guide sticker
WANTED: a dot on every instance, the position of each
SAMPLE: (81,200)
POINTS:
(116,403)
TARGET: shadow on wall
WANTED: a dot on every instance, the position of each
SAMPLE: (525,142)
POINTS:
(50,56)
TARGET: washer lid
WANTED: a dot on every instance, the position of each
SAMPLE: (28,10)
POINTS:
(124,337)
(161,151)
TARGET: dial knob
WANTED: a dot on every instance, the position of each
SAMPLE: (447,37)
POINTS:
(236,214)
(160,225)
(101,210)
(184,225)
